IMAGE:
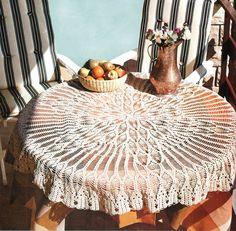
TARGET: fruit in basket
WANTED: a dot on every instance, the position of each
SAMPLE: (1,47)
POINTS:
(112,75)
(84,71)
(121,72)
(108,66)
(100,78)
(101,62)
(102,70)
(93,63)
(97,72)
(89,77)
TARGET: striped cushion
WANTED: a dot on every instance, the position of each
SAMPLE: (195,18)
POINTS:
(197,13)
(27,56)
(13,100)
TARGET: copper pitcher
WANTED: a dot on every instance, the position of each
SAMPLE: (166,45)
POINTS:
(165,75)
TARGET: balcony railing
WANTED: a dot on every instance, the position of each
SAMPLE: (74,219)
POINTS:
(228,59)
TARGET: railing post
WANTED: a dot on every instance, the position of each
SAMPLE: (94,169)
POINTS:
(227,83)
(232,53)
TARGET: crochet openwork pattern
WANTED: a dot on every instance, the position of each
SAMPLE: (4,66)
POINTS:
(126,149)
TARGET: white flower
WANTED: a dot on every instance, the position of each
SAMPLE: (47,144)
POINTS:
(172,35)
(157,36)
(186,34)
(158,39)
(166,37)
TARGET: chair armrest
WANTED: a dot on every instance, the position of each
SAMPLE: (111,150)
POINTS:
(200,73)
(4,121)
(72,67)
(121,59)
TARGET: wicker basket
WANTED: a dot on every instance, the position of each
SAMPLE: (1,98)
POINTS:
(102,85)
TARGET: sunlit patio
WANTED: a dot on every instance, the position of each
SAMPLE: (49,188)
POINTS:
(208,103)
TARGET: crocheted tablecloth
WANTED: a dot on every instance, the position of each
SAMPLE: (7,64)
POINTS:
(123,150)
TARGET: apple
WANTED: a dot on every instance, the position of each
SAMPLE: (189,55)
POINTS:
(108,66)
(89,77)
(100,78)
(112,75)
(102,61)
(93,63)
(121,72)
(84,71)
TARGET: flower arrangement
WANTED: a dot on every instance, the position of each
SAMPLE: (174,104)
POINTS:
(166,37)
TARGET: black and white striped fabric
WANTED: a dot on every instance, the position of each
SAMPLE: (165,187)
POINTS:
(191,53)
(28,63)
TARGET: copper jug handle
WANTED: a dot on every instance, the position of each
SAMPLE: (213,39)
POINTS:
(148,51)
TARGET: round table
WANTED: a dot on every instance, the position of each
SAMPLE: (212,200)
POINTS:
(128,149)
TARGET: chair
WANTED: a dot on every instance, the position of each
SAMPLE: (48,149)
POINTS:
(191,53)
(28,61)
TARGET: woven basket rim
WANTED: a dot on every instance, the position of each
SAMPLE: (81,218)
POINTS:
(106,80)
(102,85)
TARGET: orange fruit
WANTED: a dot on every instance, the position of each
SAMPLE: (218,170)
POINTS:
(97,72)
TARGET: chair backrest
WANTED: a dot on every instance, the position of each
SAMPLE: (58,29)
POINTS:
(191,53)
(28,62)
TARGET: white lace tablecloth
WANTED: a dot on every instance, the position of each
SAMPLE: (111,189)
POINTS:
(127,149)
